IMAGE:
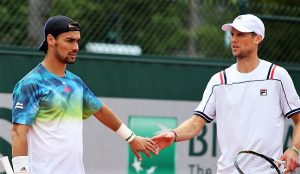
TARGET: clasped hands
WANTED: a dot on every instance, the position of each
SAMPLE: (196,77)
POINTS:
(151,145)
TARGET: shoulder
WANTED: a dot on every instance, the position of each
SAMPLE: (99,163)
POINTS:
(275,71)
(30,84)
(32,78)
(73,76)
(221,76)
(280,73)
(217,78)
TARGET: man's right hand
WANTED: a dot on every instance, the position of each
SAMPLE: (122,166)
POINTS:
(163,140)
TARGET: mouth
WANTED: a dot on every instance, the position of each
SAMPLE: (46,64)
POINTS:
(235,46)
(73,54)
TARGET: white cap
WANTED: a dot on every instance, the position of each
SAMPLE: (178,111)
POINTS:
(246,23)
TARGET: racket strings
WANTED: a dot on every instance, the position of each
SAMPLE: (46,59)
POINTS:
(253,164)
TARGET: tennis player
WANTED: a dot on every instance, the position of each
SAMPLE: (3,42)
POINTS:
(49,105)
(249,100)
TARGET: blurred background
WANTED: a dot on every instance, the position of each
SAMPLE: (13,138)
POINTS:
(172,28)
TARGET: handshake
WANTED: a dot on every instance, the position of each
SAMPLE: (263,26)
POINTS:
(164,140)
(154,144)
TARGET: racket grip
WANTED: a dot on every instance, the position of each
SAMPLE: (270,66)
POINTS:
(279,162)
(6,165)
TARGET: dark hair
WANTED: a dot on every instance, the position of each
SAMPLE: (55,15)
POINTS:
(253,33)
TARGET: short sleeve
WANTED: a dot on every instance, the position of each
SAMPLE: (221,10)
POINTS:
(207,107)
(25,102)
(290,101)
(91,104)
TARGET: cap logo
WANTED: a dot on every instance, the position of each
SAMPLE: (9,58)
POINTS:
(73,26)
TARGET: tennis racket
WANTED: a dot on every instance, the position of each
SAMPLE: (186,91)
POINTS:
(6,165)
(250,162)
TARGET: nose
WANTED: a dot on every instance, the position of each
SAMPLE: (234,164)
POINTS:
(75,46)
(233,39)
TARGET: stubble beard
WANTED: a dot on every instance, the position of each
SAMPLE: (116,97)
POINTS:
(69,61)
(64,59)
(241,55)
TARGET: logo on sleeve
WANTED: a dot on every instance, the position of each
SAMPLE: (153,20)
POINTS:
(19,105)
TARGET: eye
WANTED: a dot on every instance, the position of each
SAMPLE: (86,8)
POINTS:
(240,34)
(69,40)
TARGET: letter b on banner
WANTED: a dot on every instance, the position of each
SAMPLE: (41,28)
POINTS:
(148,126)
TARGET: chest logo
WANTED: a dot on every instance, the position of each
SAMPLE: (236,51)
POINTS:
(67,89)
(263,92)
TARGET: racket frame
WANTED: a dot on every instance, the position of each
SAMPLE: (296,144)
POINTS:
(272,161)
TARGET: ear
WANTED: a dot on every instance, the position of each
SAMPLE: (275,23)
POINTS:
(51,40)
(258,39)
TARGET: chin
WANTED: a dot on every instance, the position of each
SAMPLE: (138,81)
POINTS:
(70,61)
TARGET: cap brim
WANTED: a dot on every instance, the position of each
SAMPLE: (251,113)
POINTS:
(228,27)
(43,46)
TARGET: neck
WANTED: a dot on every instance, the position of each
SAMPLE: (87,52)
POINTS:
(54,66)
(246,65)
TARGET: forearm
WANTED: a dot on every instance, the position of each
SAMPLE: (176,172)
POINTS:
(296,133)
(19,140)
(20,158)
(189,128)
(106,116)
(296,137)
(137,144)
(292,153)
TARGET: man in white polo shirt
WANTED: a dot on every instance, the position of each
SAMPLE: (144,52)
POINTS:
(250,102)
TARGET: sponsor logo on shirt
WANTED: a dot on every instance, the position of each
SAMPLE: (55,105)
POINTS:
(19,105)
(67,89)
(263,92)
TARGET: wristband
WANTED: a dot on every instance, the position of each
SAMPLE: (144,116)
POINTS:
(294,148)
(20,164)
(175,136)
(125,133)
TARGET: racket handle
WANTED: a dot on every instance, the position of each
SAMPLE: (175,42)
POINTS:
(7,167)
(279,162)
(284,162)
(284,170)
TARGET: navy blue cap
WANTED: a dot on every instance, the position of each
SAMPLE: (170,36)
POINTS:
(57,25)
